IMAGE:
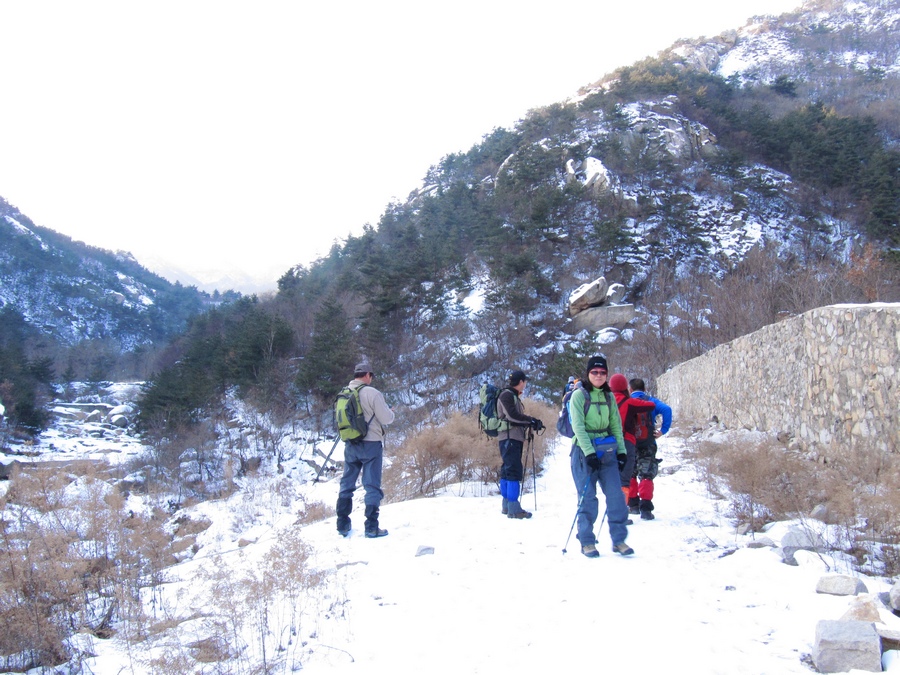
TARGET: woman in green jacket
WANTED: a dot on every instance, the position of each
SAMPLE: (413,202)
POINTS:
(597,452)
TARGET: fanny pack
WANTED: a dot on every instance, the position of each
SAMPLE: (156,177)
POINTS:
(605,443)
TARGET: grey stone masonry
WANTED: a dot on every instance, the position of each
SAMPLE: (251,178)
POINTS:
(828,378)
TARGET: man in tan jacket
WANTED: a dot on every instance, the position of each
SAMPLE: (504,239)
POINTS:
(365,456)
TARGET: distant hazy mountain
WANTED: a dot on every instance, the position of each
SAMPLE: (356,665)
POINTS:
(214,279)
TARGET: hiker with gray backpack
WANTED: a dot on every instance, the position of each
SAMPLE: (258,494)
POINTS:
(361,414)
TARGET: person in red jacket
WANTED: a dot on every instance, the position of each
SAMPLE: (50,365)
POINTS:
(629,411)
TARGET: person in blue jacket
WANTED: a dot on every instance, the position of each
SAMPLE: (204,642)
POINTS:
(598,453)
(646,468)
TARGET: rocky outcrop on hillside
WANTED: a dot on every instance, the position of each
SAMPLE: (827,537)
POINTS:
(596,306)
(856,40)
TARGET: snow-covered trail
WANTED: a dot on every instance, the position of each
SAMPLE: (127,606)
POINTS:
(500,594)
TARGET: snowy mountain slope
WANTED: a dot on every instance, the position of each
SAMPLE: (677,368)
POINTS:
(844,54)
(854,31)
(75,292)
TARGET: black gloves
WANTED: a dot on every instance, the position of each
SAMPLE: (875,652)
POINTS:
(621,458)
(593,462)
(536,424)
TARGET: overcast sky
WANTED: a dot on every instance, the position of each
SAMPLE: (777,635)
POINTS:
(252,135)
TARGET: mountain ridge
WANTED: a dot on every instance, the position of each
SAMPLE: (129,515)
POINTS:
(74,292)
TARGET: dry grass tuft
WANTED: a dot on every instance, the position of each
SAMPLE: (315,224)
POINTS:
(456,451)
(313,512)
(73,560)
(860,493)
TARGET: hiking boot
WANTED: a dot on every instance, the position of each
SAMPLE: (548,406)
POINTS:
(623,549)
(504,508)
(634,505)
(371,525)
(647,510)
(629,522)
(590,551)
(374,534)
(343,509)
(515,510)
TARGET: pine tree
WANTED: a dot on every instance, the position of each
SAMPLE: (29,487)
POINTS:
(328,364)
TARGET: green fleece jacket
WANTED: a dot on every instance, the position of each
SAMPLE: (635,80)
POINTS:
(602,419)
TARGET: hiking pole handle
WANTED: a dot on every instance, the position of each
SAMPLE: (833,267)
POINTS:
(322,468)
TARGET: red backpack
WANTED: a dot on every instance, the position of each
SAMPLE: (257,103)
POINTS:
(637,418)
(643,424)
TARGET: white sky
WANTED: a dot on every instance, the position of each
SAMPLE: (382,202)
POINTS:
(250,136)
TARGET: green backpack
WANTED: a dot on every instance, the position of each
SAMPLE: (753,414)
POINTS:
(348,415)
(487,411)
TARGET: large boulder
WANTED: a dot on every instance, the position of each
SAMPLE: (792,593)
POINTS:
(591,173)
(801,538)
(841,584)
(894,596)
(596,319)
(863,608)
(588,295)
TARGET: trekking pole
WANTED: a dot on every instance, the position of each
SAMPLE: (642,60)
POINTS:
(603,520)
(524,477)
(533,467)
(322,468)
(580,501)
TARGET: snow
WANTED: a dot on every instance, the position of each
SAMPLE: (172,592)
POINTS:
(25,231)
(501,595)
(474,301)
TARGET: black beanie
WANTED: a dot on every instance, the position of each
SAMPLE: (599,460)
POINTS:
(598,361)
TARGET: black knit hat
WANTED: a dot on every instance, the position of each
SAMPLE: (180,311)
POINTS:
(515,377)
(598,361)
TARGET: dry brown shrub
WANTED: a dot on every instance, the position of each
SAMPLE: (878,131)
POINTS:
(263,603)
(313,512)
(456,451)
(860,491)
(41,590)
(172,661)
(213,649)
(872,479)
(762,481)
(71,562)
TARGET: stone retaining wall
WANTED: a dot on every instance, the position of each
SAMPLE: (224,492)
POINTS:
(828,378)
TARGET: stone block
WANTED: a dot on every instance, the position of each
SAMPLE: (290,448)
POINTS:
(862,608)
(596,319)
(615,294)
(840,584)
(841,646)
(805,539)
